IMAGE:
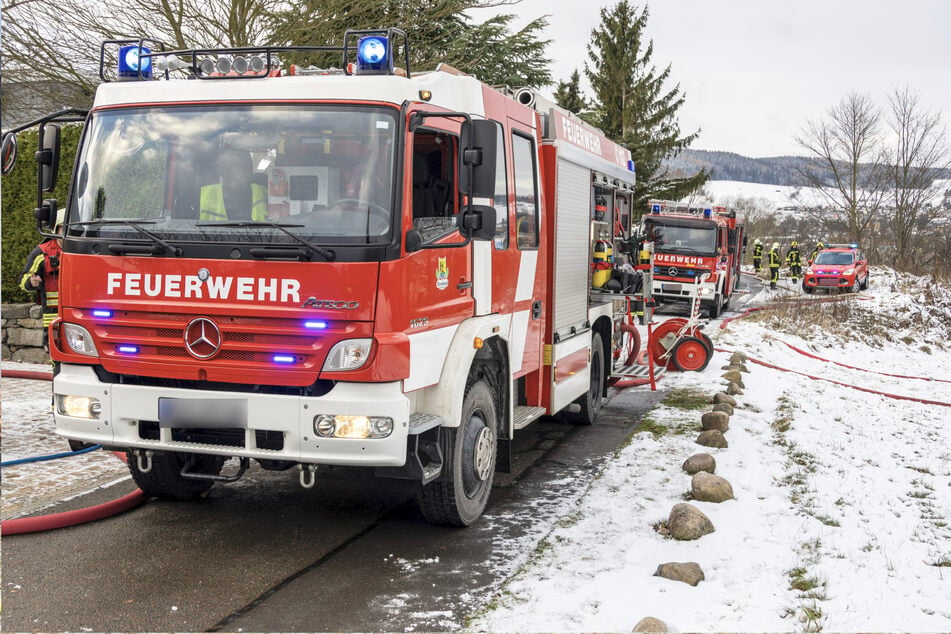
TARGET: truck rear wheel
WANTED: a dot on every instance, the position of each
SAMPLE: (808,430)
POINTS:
(591,401)
(459,495)
(164,479)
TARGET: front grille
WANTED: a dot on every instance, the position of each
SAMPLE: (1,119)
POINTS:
(247,340)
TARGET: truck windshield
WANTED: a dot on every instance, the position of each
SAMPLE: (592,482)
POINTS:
(686,237)
(213,174)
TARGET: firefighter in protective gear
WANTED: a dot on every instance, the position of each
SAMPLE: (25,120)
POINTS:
(774,261)
(757,256)
(234,193)
(41,273)
(815,252)
(794,261)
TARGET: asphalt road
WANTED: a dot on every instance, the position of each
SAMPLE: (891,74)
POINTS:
(263,554)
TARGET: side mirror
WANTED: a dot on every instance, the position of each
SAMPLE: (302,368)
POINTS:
(46,215)
(477,154)
(9,152)
(48,156)
(414,241)
(477,222)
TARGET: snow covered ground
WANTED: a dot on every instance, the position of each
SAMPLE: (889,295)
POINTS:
(842,513)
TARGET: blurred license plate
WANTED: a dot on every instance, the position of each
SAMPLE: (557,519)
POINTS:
(203,412)
(670,288)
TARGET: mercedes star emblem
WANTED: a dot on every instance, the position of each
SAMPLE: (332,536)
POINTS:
(672,271)
(202,338)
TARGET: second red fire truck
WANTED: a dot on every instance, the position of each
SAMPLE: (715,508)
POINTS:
(697,252)
(361,266)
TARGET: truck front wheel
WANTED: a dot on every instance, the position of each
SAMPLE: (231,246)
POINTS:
(459,495)
(593,399)
(164,479)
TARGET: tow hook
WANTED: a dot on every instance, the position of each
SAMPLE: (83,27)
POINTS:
(143,460)
(308,476)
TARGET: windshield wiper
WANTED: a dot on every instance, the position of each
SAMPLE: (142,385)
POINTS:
(327,254)
(127,248)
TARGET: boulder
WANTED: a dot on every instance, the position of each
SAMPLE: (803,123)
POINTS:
(687,522)
(715,420)
(734,389)
(726,408)
(738,357)
(700,462)
(689,572)
(712,438)
(650,624)
(706,487)
(724,398)
(732,375)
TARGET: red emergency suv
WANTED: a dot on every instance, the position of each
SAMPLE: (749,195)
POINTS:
(838,266)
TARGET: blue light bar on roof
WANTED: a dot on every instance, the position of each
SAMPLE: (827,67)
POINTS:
(373,56)
(131,63)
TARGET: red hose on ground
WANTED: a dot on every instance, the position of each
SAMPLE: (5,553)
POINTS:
(71,518)
(852,367)
(854,387)
(27,374)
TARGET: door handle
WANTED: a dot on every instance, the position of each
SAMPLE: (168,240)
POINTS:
(464,285)
(536,309)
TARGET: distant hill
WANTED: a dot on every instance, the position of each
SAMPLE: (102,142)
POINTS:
(729,166)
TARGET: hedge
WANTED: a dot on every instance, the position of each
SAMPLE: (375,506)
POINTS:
(18,199)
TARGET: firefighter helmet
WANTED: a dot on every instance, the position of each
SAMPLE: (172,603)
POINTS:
(794,244)
(757,241)
(775,246)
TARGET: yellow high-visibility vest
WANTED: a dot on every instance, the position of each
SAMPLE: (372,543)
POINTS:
(213,202)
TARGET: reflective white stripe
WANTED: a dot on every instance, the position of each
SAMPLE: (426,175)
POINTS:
(427,354)
(482,276)
(526,275)
(518,333)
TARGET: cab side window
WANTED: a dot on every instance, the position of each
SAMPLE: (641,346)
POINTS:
(501,200)
(434,209)
(526,195)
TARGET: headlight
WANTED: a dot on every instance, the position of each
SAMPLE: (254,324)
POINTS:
(848,271)
(341,426)
(78,406)
(79,340)
(348,355)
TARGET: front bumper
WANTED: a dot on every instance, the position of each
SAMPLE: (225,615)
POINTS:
(278,427)
(828,281)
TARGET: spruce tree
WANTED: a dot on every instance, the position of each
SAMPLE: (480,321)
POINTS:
(632,105)
(568,94)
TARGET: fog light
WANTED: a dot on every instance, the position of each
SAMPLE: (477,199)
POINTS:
(359,427)
(324,425)
(78,406)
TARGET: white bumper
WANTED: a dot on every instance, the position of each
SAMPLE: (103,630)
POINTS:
(125,406)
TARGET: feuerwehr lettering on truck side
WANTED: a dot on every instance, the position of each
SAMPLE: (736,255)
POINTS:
(228,288)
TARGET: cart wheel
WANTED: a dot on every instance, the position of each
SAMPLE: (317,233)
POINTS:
(690,354)
(657,349)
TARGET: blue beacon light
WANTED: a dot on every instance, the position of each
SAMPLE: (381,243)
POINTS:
(707,213)
(655,209)
(127,349)
(284,359)
(373,56)
(101,313)
(315,325)
(132,65)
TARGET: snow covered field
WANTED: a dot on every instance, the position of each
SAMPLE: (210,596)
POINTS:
(842,513)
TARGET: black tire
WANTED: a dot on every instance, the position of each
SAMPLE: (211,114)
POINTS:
(809,290)
(716,306)
(78,445)
(856,285)
(707,341)
(592,401)
(865,283)
(164,480)
(459,495)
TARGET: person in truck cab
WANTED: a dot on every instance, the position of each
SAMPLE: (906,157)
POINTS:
(41,274)
(234,196)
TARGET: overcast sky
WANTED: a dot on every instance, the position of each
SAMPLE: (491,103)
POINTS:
(754,71)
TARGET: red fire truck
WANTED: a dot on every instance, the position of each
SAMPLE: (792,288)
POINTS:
(697,252)
(361,266)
